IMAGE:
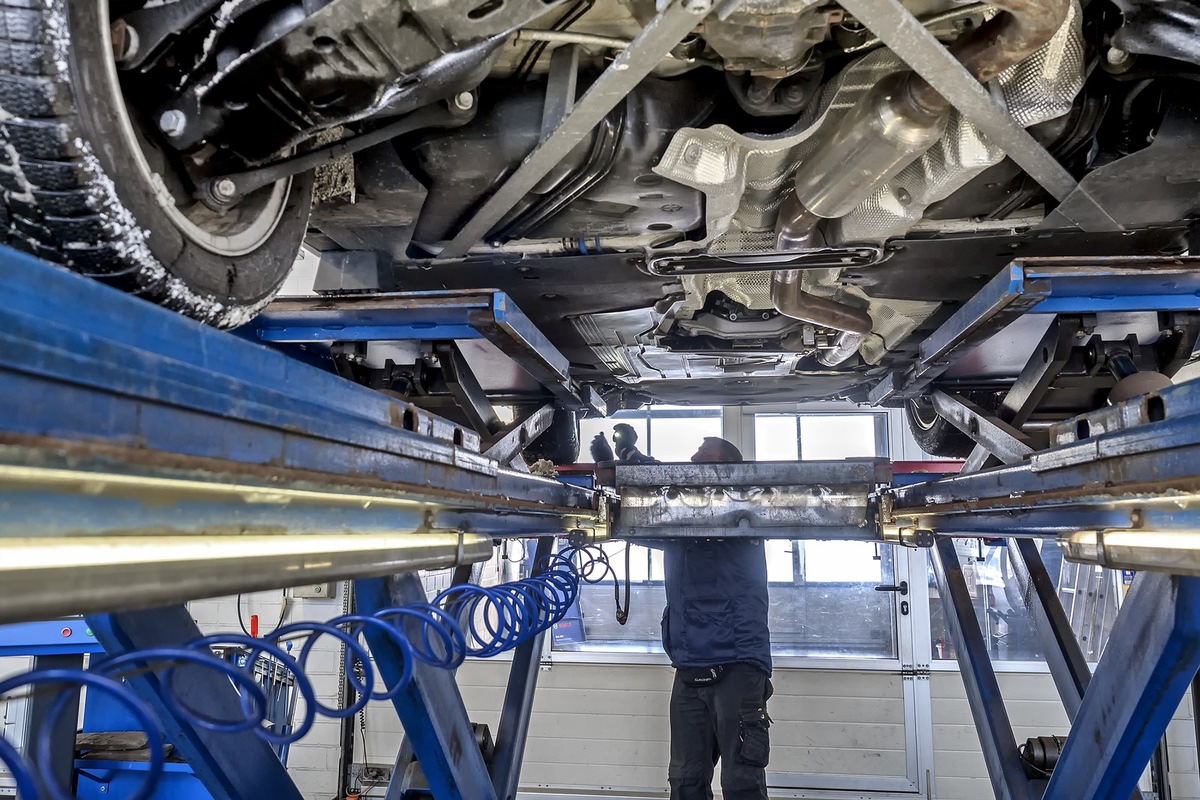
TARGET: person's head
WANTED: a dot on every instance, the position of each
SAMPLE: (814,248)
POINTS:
(715,450)
(624,439)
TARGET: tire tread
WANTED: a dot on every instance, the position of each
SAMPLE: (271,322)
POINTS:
(48,195)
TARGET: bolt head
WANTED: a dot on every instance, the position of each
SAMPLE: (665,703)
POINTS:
(794,94)
(225,188)
(173,123)
(757,93)
(464,101)
(1116,56)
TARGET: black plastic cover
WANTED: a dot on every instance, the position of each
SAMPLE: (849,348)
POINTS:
(1169,28)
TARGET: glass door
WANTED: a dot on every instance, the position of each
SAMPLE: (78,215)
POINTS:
(849,623)
(851,704)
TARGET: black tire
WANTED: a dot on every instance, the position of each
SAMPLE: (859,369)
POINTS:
(560,443)
(77,172)
(934,434)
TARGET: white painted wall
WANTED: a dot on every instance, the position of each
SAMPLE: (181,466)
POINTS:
(604,727)
(1034,710)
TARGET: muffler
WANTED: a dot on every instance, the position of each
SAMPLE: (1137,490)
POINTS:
(902,115)
(898,120)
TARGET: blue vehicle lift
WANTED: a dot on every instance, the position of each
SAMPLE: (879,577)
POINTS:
(117,393)
(1128,469)
(216,431)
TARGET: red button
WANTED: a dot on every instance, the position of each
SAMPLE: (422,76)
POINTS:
(66,631)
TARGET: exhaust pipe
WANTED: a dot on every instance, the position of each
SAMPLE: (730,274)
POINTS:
(795,230)
(897,121)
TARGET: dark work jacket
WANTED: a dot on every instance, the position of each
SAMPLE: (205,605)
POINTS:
(716,603)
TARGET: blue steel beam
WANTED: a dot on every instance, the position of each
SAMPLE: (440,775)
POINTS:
(1085,515)
(430,316)
(1152,654)
(52,638)
(88,359)
(1141,463)
(1000,752)
(1061,285)
(1064,656)
(513,732)
(371,317)
(232,766)
(430,708)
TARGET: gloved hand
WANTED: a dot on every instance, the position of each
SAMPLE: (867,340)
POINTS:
(602,451)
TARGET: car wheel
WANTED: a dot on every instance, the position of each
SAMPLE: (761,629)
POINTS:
(89,182)
(935,435)
(560,443)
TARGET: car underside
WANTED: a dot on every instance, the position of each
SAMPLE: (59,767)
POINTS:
(757,201)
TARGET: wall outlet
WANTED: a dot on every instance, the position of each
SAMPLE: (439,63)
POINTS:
(365,775)
(314,591)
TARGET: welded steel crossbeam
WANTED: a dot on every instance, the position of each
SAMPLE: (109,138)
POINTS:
(802,500)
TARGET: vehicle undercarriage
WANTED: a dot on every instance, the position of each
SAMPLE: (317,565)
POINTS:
(764,201)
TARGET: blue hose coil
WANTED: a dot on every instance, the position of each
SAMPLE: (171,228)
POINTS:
(462,621)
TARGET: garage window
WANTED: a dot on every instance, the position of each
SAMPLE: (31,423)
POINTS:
(1090,595)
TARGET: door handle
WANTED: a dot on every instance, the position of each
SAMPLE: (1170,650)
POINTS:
(902,587)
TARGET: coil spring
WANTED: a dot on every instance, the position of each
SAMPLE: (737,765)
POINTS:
(462,621)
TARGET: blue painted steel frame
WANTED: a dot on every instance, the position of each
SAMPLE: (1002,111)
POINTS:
(1064,656)
(88,360)
(1146,458)
(983,691)
(157,385)
(1063,285)
(232,766)
(1142,476)
(1152,655)
(432,316)
(430,708)
(47,639)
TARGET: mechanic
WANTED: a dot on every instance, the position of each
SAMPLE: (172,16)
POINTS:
(715,632)
(624,442)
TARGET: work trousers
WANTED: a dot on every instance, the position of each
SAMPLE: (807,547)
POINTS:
(726,721)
